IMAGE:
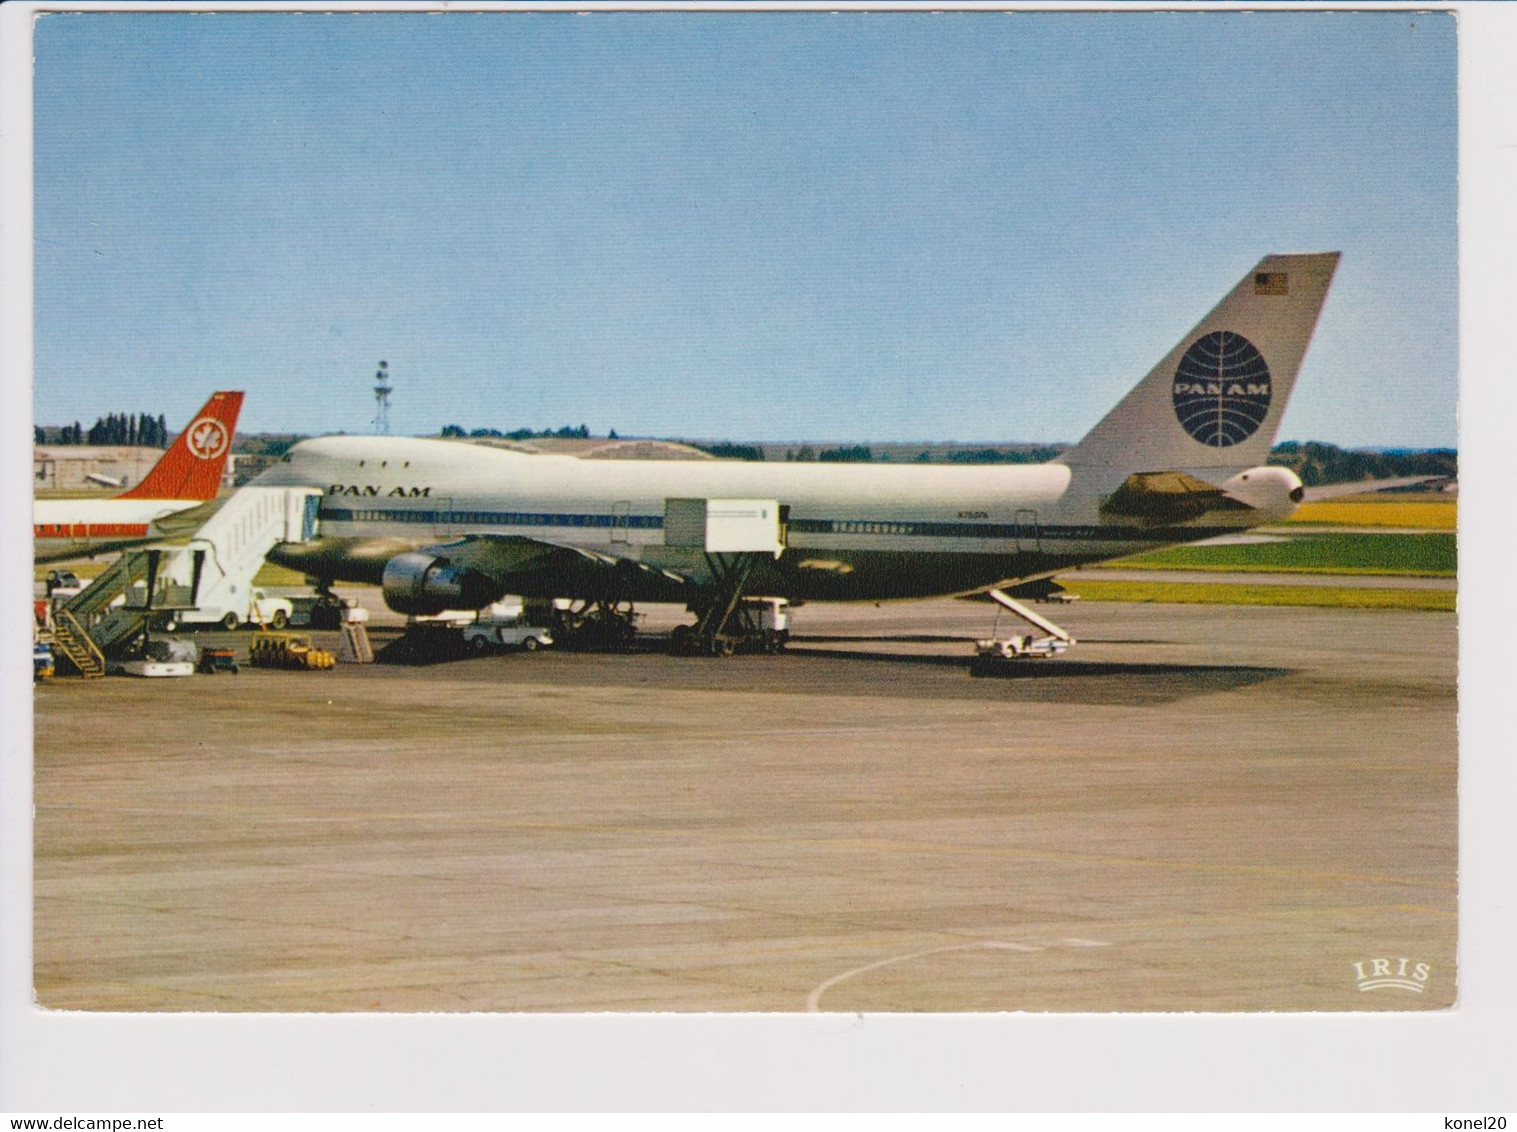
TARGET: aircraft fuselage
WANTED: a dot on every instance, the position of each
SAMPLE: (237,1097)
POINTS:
(856,532)
(68,529)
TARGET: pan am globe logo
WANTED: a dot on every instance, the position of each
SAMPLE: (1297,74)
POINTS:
(1221,389)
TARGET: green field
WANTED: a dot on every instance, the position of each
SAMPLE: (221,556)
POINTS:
(271,575)
(1419,555)
(1336,597)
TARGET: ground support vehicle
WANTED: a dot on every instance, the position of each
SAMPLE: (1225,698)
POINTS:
(161,657)
(259,608)
(999,654)
(287,650)
(497,629)
(42,660)
(218,660)
(425,641)
(63,583)
(155,668)
(326,611)
(759,624)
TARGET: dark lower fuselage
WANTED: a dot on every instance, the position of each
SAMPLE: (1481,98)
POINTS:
(805,571)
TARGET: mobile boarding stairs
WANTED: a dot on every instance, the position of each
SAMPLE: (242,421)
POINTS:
(110,619)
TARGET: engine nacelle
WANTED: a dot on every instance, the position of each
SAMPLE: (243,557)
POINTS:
(1268,489)
(420,585)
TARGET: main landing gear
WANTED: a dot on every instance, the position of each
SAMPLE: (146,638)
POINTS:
(596,626)
(328,611)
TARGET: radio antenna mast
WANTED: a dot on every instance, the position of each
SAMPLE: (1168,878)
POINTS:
(382,389)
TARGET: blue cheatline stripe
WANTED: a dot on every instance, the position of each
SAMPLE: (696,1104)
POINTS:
(876,527)
(489,518)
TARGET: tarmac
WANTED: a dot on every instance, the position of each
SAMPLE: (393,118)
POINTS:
(1198,808)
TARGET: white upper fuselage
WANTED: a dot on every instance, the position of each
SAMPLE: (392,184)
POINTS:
(855,530)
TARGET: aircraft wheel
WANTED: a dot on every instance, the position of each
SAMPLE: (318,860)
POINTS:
(279,620)
(170,624)
(230,622)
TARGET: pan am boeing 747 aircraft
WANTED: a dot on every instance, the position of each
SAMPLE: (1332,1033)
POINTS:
(444,525)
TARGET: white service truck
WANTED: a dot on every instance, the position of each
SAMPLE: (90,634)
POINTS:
(233,606)
(503,626)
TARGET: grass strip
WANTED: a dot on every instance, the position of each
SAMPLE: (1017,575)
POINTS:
(1199,593)
(1416,556)
(272,575)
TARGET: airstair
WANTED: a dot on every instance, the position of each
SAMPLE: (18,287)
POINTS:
(355,647)
(76,644)
(223,556)
(92,622)
(997,654)
(108,618)
(113,582)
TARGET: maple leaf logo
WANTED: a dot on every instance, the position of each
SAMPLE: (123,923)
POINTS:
(207,439)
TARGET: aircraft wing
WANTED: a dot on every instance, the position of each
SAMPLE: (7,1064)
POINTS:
(529,566)
(179,524)
(472,571)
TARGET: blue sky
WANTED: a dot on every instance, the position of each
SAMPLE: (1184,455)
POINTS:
(861,227)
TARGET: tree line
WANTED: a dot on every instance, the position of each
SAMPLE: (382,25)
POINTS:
(843,454)
(865,454)
(1319,463)
(568,432)
(141,430)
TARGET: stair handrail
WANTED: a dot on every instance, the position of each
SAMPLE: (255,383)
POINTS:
(115,578)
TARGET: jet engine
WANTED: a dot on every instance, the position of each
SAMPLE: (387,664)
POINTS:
(419,584)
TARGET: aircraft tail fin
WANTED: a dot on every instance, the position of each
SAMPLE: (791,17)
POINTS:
(1214,403)
(192,467)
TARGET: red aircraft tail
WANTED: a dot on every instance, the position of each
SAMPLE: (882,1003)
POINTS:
(192,468)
